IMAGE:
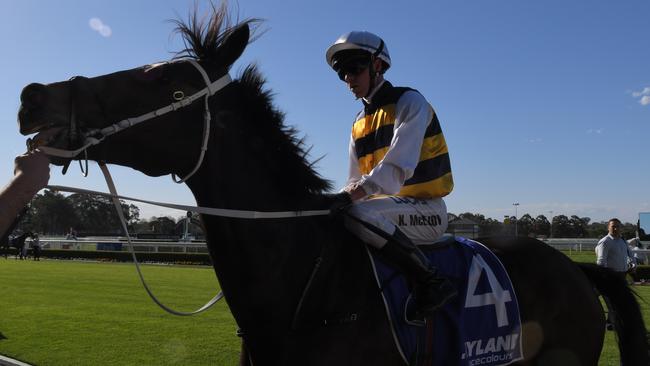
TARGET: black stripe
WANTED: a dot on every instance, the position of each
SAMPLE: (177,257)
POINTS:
(374,141)
(433,128)
(430,169)
(387,94)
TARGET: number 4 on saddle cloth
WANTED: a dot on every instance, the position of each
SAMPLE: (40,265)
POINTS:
(481,326)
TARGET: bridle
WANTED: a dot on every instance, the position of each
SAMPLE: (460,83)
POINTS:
(95,136)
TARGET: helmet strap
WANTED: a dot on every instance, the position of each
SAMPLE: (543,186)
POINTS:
(371,68)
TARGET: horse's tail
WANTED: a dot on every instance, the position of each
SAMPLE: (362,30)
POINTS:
(628,320)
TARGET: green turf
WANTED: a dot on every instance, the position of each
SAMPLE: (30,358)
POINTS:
(588,256)
(82,313)
(72,313)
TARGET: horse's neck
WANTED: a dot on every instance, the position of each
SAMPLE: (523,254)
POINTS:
(261,264)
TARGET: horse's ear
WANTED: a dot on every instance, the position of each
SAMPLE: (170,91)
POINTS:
(234,45)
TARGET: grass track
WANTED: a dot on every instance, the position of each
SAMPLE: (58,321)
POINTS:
(62,313)
(79,313)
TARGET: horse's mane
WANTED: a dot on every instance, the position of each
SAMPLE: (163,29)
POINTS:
(285,151)
(204,39)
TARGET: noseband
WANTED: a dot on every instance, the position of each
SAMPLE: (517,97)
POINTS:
(96,136)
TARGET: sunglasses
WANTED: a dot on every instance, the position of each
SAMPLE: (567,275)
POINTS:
(352,69)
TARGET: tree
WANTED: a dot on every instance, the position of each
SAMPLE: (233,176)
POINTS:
(561,227)
(97,213)
(542,226)
(597,229)
(629,231)
(486,226)
(51,213)
(525,225)
(162,225)
(578,226)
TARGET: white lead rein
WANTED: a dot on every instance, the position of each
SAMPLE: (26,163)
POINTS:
(223,212)
(118,208)
(240,214)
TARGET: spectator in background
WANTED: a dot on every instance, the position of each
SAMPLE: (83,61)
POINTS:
(635,247)
(72,235)
(23,247)
(612,252)
(36,247)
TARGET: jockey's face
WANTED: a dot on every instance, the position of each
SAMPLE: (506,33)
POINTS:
(357,78)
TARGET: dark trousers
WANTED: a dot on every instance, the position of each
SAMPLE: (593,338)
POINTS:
(611,315)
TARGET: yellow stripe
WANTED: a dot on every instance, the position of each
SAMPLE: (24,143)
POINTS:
(439,187)
(371,123)
(433,146)
(368,162)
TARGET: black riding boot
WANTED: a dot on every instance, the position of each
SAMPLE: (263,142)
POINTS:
(431,291)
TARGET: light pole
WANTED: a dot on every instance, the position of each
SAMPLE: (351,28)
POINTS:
(516,219)
(550,235)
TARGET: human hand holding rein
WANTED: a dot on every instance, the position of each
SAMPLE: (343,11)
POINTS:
(31,172)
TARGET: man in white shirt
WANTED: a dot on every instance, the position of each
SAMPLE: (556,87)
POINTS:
(612,251)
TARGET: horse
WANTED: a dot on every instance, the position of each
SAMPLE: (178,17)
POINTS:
(5,245)
(6,242)
(18,243)
(292,283)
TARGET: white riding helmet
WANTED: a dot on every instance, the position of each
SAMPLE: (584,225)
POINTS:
(359,40)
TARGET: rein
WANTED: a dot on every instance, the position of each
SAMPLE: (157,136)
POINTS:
(222,212)
(96,136)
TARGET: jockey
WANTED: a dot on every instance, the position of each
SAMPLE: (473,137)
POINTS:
(399,167)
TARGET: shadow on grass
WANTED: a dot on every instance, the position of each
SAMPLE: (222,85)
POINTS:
(2,336)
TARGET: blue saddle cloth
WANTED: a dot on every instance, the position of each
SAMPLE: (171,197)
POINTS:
(481,326)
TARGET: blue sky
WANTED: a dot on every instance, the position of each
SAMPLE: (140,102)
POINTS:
(542,103)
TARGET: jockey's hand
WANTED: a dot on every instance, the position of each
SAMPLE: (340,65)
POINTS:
(339,202)
(31,171)
(356,191)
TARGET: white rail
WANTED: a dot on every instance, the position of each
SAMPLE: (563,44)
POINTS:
(120,244)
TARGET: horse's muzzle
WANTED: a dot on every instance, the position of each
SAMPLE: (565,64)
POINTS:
(40,109)
(31,116)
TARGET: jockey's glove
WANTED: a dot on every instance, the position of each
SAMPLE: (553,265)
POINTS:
(339,202)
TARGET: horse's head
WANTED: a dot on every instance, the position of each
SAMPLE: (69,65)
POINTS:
(160,101)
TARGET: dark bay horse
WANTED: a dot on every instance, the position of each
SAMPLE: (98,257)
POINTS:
(18,243)
(293,284)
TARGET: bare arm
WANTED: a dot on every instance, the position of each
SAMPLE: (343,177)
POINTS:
(31,174)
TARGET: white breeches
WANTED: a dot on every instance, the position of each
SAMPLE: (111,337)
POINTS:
(421,220)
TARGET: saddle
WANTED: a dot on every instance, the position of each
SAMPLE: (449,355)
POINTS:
(481,326)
